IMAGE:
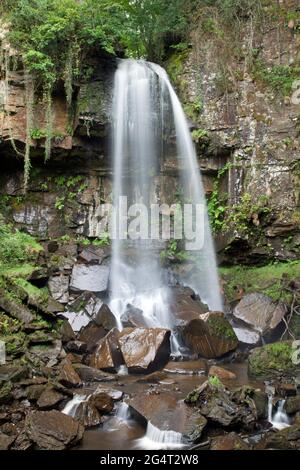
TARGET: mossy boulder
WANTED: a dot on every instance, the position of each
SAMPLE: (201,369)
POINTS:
(5,392)
(15,344)
(210,335)
(272,360)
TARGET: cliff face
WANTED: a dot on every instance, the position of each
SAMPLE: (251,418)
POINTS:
(246,113)
(246,129)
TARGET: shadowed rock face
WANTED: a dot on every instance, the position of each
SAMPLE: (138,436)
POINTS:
(210,335)
(260,312)
(52,430)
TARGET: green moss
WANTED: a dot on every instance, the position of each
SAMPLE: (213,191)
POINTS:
(5,393)
(271,360)
(214,381)
(15,344)
(34,293)
(221,327)
(264,279)
(8,325)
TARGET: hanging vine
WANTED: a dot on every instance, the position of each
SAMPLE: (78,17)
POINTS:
(49,121)
(29,92)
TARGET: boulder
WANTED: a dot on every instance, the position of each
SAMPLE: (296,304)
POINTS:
(210,335)
(285,439)
(91,335)
(5,393)
(166,413)
(247,337)
(88,307)
(49,354)
(12,373)
(221,373)
(107,355)
(145,349)
(76,347)
(261,313)
(52,430)
(14,308)
(231,441)
(92,278)
(292,404)
(102,402)
(90,374)
(49,398)
(184,305)
(220,406)
(66,332)
(59,288)
(87,414)
(68,375)
(272,360)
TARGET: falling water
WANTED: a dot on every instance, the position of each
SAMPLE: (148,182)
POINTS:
(142,97)
(72,405)
(156,439)
(279,419)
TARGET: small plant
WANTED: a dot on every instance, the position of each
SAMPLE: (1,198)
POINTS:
(37,134)
(60,203)
(215,382)
(103,241)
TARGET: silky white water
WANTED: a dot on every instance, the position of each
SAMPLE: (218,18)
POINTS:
(72,405)
(144,102)
(156,439)
(279,419)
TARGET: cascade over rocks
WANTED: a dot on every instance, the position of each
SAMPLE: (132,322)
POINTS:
(210,335)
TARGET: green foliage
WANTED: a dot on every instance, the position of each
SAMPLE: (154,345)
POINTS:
(60,203)
(215,382)
(16,247)
(264,279)
(173,252)
(279,78)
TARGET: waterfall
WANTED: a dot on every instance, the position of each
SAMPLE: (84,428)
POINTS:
(72,405)
(144,105)
(156,439)
(279,419)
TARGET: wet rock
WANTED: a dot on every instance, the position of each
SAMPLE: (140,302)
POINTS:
(6,441)
(116,395)
(186,368)
(49,398)
(167,414)
(145,350)
(105,318)
(261,313)
(255,399)
(108,355)
(92,278)
(210,335)
(286,389)
(272,360)
(40,337)
(231,441)
(184,305)
(133,318)
(90,374)
(247,337)
(218,405)
(92,255)
(285,439)
(87,414)
(292,404)
(52,430)
(221,373)
(68,375)
(91,335)
(102,402)
(59,288)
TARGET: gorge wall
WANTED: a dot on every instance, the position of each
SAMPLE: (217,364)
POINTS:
(244,123)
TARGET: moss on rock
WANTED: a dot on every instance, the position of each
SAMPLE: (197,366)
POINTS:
(272,360)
